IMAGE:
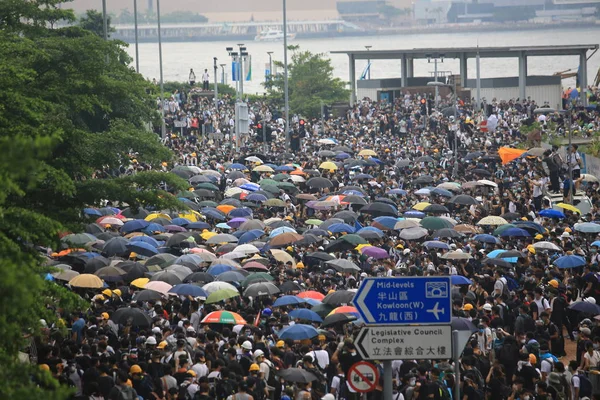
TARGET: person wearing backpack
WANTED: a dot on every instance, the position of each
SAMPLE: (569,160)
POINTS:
(318,388)
(556,387)
(122,391)
(547,361)
(339,387)
(524,323)
(581,386)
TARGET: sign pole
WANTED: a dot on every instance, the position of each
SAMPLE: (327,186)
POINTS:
(387,380)
(457,352)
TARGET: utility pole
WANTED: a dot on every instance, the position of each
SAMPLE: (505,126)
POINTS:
(162,90)
(478,76)
(222,73)
(285,79)
(137,50)
(104,20)
(270,65)
(241,65)
(216,94)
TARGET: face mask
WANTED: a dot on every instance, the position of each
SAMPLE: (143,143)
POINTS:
(525,397)
(596,346)
(523,341)
(412,382)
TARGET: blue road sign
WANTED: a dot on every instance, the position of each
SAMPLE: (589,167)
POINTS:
(405,300)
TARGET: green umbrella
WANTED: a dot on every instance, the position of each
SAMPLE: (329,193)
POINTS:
(286,185)
(274,203)
(354,239)
(257,277)
(435,223)
(207,185)
(220,295)
(323,309)
(502,228)
(313,221)
(270,188)
(267,182)
(78,239)
(208,203)
(280,177)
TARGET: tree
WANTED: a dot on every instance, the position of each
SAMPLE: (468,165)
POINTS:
(310,84)
(68,114)
(93,21)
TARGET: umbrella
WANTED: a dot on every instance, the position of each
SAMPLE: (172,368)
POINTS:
(370,232)
(167,277)
(380,209)
(343,265)
(339,318)
(460,280)
(65,275)
(285,239)
(462,324)
(224,317)
(585,307)
(290,286)
(587,227)
(447,233)
(237,275)
(569,261)
(548,246)
(569,207)
(181,271)
(222,238)
(515,232)
(436,209)
(162,260)
(218,285)
(287,301)
(298,332)
(162,287)
(311,294)
(142,248)
(185,289)
(283,256)
(87,281)
(463,199)
(297,375)
(200,277)
(133,316)
(261,289)
(435,223)
(140,282)
(435,244)
(340,228)
(484,238)
(464,228)
(406,224)
(147,295)
(110,273)
(511,216)
(116,246)
(551,213)
(222,294)
(375,252)
(413,233)
(305,314)
(319,183)
(492,220)
(497,262)
(75,240)
(339,297)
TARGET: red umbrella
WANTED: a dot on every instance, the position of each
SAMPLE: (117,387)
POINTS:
(311,294)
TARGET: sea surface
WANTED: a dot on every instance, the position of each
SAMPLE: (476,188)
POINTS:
(178,58)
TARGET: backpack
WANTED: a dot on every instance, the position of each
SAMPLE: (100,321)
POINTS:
(224,389)
(342,391)
(183,393)
(273,372)
(126,393)
(585,386)
(444,391)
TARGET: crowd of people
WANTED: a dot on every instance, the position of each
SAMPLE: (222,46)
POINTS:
(247,294)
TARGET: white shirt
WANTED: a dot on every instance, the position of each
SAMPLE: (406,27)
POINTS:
(205,77)
(321,356)
(201,369)
(594,359)
(573,160)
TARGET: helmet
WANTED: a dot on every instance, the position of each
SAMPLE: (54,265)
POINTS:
(117,292)
(254,367)
(151,341)
(259,353)
(267,312)
(107,292)
(135,369)
(247,345)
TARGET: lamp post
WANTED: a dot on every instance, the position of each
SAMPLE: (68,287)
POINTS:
(435,58)
(285,78)
(222,73)
(548,110)
(104,20)
(234,58)
(270,65)
(135,24)
(241,66)
(216,94)
(454,106)
(163,129)
(368,63)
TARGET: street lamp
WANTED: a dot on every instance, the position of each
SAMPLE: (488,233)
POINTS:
(548,110)
(285,79)
(216,94)
(137,51)
(163,129)
(368,63)
(243,54)
(437,85)
(222,73)
(435,57)
(270,64)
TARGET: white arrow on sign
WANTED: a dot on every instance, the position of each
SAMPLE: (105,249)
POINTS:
(359,301)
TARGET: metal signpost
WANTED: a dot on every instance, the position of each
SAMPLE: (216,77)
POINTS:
(412,317)
(363,377)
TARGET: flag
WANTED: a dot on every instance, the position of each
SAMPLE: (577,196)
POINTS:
(507,154)
(363,76)
(257,319)
(234,70)
(267,71)
(248,65)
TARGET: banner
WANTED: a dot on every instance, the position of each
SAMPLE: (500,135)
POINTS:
(267,71)
(234,71)
(248,68)
(363,76)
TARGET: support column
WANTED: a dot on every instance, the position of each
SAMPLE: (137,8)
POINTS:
(352,70)
(522,77)
(463,70)
(404,72)
(583,79)
(410,67)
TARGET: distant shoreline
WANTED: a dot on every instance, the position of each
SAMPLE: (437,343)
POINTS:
(413,30)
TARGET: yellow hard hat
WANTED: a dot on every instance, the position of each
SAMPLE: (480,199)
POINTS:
(117,292)
(135,369)
(254,367)
(539,236)
(300,265)
(280,344)
(107,292)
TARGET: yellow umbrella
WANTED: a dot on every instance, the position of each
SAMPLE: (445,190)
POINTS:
(421,206)
(263,168)
(361,246)
(207,235)
(328,165)
(367,152)
(569,207)
(152,216)
(492,220)
(88,281)
(140,282)
(193,216)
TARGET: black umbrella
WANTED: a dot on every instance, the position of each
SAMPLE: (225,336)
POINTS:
(463,199)
(379,210)
(182,172)
(339,245)
(261,289)
(116,247)
(352,187)
(482,172)
(323,309)
(289,286)
(385,200)
(403,163)
(331,221)
(510,216)
(447,233)
(111,274)
(423,179)
(204,277)
(147,295)
(308,239)
(339,297)
(473,155)
(94,264)
(339,318)
(319,183)
(134,270)
(510,254)
(297,375)
(369,234)
(161,221)
(586,307)
(436,209)
(106,236)
(176,239)
(355,200)
(162,260)
(139,213)
(343,265)
(231,202)
(497,262)
(317,257)
(166,276)
(348,216)
(462,324)
(344,149)
(134,316)
(93,229)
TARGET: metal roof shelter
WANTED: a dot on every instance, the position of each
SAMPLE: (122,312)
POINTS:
(464,53)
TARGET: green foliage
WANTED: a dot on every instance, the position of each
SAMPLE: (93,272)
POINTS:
(94,22)
(310,83)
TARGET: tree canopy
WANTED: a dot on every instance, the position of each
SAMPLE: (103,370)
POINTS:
(72,110)
(310,83)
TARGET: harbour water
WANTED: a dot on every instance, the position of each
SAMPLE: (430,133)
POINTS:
(178,58)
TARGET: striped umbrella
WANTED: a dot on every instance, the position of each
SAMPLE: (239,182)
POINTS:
(224,317)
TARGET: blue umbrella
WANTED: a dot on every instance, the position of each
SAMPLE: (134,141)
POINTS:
(142,248)
(250,236)
(287,300)
(552,213)
(180,221)
(401,192)
(377,160)
(253,187)
(342,156)
(284,168)
(340,228)
(256,197)
(241,167)
(305,314)
(281,230)
(515,232)
(312,302)
(371,229)
(198,225)
(596,243)
(484,238)
(185,289)
(530,226)
(92,212)
(137,225)
(189,259)
(460,280)
(223,225)
(442,192)
(498,254)
(388,222)
(242,212)
(413,214)
(213,213)
(569,261)
(435,244)
(586,307)
(146,239)
(153,227)
(217,269)
(587,227)
(352,192)
(298,332)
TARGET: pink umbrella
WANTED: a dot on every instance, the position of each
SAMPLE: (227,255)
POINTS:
(159,286)
(375,252)
(236,222)
(255,266)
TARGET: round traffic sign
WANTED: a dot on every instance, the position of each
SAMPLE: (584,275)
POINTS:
(363,377)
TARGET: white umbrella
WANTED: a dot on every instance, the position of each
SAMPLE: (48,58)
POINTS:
(254,159)
(487,183)
(181,271)
(589,178)
(413,233)
(407,223)
(246,249)
(158,286)
(217,285)
(233,191)
(234,255)
(456,255)
(226,261)
(325,141)
(222,238)
(546,246)
(211,172)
